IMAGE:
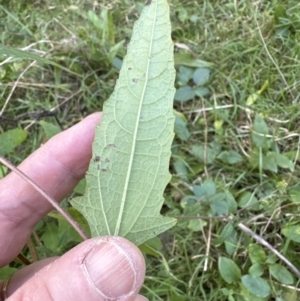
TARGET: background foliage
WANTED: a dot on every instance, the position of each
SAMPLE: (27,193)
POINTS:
(235,157)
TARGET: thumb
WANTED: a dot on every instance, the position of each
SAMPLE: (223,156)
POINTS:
(100,269)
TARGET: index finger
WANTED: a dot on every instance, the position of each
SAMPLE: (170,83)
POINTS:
(56,167)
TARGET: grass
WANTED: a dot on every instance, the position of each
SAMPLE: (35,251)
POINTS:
(241,138)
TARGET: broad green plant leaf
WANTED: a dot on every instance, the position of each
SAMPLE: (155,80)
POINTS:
(11,139)
(256,286)
(292,232)
(184,94)
(131,151)
(229,270)
(181,129)
(7,271)
(281,274)
(201,76)
(50,129)
(294,194)
(197,224)
(187,59)
(248,199)
(181,169)
(259,131)
(256,270)
(256,253)
(230,157)
(184,74)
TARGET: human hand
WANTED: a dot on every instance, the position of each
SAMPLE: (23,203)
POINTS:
(102,268)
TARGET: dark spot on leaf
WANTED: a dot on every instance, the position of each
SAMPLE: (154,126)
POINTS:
(106,160)
(97,159)
(104,169)
(135,80)
(129,68)
(112,145)
(148,2)
(98,167)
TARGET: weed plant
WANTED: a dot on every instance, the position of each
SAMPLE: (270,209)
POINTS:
(235,156)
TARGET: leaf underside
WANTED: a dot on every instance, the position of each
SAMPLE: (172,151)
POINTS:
(131,152)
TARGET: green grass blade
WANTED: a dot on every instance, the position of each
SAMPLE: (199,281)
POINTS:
(25,55)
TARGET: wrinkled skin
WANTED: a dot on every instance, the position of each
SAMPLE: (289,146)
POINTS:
(102,268)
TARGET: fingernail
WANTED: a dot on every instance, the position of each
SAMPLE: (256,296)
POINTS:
(111,270)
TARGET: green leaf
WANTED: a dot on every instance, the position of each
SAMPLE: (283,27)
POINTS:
(80,187)
(279,13)
(77,216)
(284,162)
(11,139)
(252,99)
(184,94)
(256,286)
(67,234)
(184,75)
(113,51)
(227,231)
(181,169)
(187,59)
(150,250)
(50,237)
(208,155)
(230,157)
(281,274)
(3,171)
(256,270)
(232,205)
(229,270)
(95,20)
(208,188)
(201,76)
(272,160)
(50,129)
(131,152)
(182,14)
(218,205)
(256,253)
(260,130)
(292,232)
(271,259)
(181,129)
(201,91)
(289,294)
(248,199)
(232,243)
(7,271)
(188,201)
(269,162)
(294,194)
(196,224)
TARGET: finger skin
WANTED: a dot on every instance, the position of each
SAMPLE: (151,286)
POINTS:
(24,275)
(66,278)
(57,167)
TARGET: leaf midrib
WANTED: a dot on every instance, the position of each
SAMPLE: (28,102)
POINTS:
(124,195)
